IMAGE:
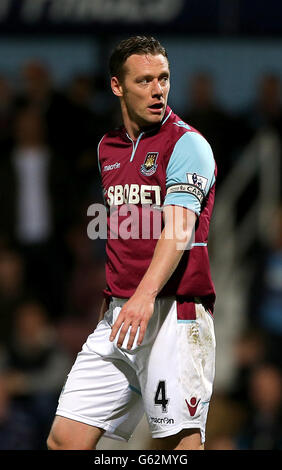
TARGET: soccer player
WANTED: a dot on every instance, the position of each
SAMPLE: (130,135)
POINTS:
(154,348)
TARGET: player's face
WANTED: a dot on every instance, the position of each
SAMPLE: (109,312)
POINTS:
(144,90)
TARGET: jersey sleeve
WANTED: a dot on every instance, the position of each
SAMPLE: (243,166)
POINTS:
(190,172)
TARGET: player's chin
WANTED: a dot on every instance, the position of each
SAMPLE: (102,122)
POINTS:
(155,117)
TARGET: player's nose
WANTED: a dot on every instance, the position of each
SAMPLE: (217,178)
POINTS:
(157,89)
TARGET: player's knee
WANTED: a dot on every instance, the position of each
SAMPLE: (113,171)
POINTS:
(56,441)
(53,443)
(63,440)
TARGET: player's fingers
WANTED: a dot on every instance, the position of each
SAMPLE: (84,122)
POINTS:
(132,336)
(142,331)
(116,326)
(122,333)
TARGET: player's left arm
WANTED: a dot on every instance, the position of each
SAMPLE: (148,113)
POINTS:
(190,174)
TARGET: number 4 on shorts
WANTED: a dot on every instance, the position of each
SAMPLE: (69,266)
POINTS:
(160,396)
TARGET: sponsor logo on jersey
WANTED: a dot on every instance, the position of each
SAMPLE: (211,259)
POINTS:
(149,166)
(133,194)
(197,180)
(192,405)
(114,166)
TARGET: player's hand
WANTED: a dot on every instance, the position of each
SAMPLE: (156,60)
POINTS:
(135,314)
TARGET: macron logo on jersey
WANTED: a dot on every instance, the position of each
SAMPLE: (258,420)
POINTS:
(114,166)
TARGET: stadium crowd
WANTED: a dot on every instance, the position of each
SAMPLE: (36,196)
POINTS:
(52,274)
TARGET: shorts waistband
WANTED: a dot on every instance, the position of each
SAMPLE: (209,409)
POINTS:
(196,300)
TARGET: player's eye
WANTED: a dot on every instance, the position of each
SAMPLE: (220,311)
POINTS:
(164,80)
(143,81)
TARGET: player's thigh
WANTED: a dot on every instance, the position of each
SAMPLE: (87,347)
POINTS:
(74,435)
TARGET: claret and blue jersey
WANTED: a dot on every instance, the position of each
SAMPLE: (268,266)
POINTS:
(171,164)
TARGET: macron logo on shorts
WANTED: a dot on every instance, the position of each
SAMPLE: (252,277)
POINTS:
(192,405)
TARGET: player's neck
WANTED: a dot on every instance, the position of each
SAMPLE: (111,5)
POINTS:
(132,132)
(133,129)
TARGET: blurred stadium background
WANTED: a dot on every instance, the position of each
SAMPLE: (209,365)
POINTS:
(55,105)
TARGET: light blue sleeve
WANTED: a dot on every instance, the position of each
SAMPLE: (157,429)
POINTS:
(190,172)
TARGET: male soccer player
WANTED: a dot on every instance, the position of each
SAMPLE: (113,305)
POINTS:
(153,349)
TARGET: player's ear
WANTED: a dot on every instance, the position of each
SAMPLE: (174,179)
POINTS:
(116,87)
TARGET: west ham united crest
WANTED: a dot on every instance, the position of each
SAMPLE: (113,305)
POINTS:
(149,166)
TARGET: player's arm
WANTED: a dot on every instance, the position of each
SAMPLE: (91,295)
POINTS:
(137,311)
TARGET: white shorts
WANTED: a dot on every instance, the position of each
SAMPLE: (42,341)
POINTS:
(170,376)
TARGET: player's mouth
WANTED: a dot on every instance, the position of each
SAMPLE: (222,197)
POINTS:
(156,108)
